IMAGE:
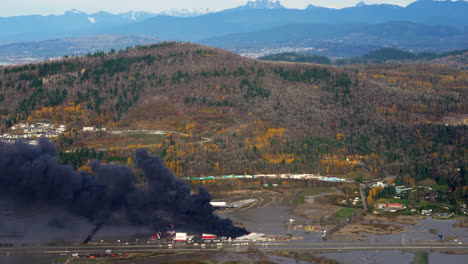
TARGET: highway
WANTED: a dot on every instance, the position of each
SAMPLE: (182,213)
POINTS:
(230,247)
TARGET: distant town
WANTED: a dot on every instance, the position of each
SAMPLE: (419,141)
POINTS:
(256,53)
(31,132)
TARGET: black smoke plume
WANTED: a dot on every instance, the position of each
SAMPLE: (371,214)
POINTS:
(93,232)
(34,174)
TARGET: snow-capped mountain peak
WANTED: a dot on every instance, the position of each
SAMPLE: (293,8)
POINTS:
(187,12)
(361,4)
(92,20)
(136,15)
(75,11)
(133,16)
(264,4)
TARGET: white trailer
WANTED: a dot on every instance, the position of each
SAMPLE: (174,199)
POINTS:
(180,237)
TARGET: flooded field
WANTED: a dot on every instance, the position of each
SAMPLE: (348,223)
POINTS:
(425,230)
(30,259)
(391,257)
(278,218)
(275,219)
(372,256)
(227,258)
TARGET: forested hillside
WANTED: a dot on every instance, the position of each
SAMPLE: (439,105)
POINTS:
(240,115)
(456,58)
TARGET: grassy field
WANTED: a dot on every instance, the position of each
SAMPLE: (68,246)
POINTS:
(167,116)
(421,257)
(154,115)
(344,213)
(106,141)
(306,256)
(358,175)
(444,218)
(392,200)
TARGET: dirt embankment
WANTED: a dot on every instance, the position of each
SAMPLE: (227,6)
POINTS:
(378,225)
(462,221)
(398,219)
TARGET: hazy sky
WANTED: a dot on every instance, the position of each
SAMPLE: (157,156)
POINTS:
(45,7)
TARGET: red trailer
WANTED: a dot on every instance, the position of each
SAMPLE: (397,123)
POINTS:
(208,236)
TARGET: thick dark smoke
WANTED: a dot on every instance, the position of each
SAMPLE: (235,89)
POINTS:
(93,232)
(34,174)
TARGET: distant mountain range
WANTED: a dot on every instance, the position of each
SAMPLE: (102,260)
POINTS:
(26,52)
(422,25)
(261,4)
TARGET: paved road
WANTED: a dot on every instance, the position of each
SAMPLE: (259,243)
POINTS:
(233,246)
(363,197)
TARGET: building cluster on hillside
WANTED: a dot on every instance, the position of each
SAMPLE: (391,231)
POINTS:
(390,207)
(426,212)
(93,129)
(463,208)
(351,201)
(255,53)
(31,132)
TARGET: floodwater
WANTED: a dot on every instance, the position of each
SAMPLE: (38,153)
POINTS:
(218,257)
(427,230)
(436,257)
(392,257)
(28,259)
(269,220)
(274,220)
(372,256)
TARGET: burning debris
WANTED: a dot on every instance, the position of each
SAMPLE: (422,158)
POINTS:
(34,174)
